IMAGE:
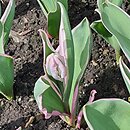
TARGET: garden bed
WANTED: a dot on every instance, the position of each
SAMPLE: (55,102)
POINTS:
(102,73)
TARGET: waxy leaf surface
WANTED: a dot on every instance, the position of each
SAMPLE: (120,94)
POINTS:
(47,98)
(82,38)
(6,76)
(66,49)
(7,19)
(106,114)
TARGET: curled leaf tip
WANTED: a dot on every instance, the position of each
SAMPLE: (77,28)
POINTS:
(92,96)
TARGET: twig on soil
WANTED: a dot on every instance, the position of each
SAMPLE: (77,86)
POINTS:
(31,119)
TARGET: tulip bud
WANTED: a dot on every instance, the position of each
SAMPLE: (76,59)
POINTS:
(55,66)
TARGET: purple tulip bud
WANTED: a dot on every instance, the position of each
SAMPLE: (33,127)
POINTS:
(55,66)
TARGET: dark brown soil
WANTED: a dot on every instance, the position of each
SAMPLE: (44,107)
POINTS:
(101,74)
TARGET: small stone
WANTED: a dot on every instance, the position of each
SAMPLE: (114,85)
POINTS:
(1,103)
(105,52)
(91,81)
(94,63)
(19,99)
(27,4)
(31,99)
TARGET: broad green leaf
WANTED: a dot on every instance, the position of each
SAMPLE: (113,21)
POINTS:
(46,97)
(82,50)
(116,21)
(7,19)
(98,27)
(66,42)
(107,114)
(125,73)
(6,76)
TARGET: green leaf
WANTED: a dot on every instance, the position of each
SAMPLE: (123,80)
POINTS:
(98,27)
(1,39)
(65,3)
(125,73)
(46,97)
(82,51)
(7,19)
(66,42)
(117,2)
(47,47)
(107,114)
(6,76)
(47,6)
(117,22)
(54,19)
(52,13)
(54,23)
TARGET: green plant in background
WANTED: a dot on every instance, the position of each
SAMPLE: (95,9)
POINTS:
(99,27)
(56,92)
(6,61)
(114,28)
(52,13)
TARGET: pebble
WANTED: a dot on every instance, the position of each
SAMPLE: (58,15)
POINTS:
(94,63)
(105,52)
(31,99)
(91,81)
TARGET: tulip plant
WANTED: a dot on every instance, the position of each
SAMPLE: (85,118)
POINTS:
(56,92)
(99,27)
(52,13)
(114,28)
(6,61)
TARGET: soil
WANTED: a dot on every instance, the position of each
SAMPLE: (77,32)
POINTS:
(102,73)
